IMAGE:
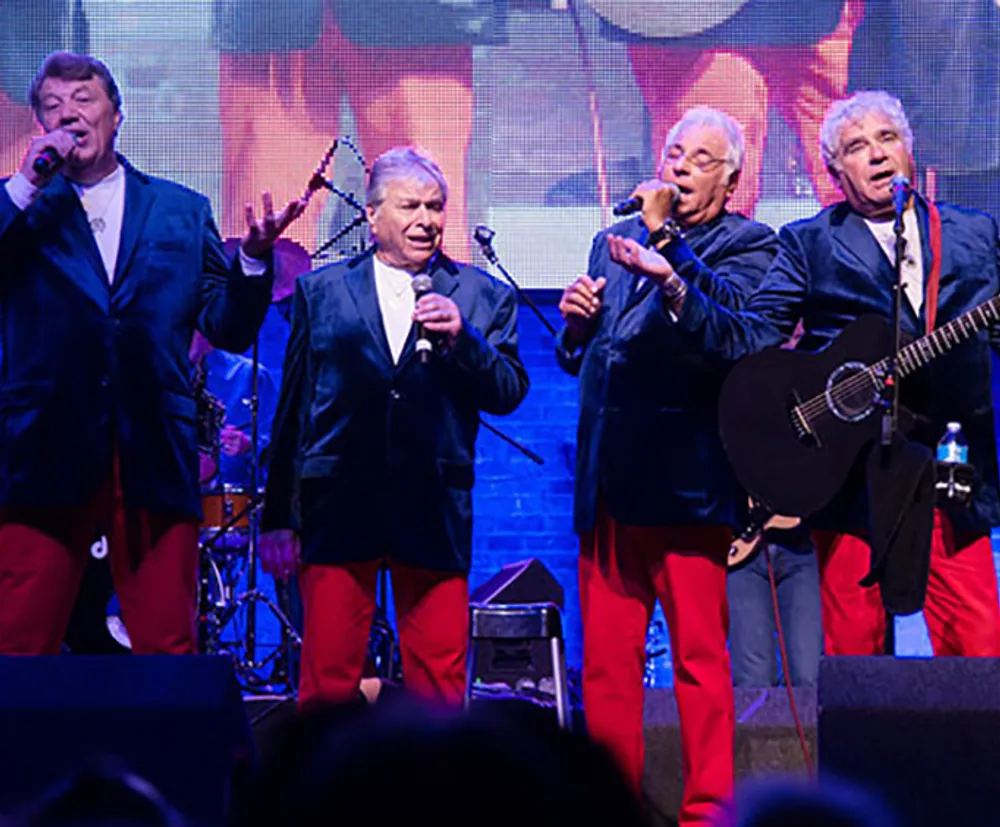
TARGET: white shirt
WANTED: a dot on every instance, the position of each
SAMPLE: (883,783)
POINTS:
(913,257)
(104,204)
(396,300)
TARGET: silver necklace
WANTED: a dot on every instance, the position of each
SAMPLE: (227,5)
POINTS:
(97,223)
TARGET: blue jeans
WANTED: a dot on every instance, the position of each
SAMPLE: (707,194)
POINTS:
(753,644)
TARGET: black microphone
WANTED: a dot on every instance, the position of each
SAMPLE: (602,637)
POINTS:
(484,238)
(900,192)
(47,162)
(634,204)
(483,234)
(422,285)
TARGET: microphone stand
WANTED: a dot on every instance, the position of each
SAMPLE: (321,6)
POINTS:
(484,237)
(252,548)
(282,657)
(535,458)
(485,242)
(890,388)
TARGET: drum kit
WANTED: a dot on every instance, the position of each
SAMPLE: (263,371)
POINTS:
(230,596)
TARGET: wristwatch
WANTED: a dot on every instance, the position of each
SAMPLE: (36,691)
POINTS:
(667,232)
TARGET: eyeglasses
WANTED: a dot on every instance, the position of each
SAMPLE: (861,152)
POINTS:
(700,159)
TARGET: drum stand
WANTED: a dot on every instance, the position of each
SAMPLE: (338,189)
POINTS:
(218,614)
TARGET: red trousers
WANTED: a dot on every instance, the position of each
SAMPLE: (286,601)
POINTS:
(962,608)
(154,564)
(432,615)
(623,571)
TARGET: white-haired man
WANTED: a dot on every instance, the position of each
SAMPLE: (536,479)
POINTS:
(654,498)
(831,269)
(373,450)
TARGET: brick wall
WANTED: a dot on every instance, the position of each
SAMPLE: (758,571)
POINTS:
(525,510)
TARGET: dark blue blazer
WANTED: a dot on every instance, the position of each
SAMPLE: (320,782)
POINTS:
(648,436)
(830,270)
(88,365)
(373,459)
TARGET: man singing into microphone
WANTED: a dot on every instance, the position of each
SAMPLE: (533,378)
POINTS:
(831,269)
(655,498)
(107,272)
(374,450)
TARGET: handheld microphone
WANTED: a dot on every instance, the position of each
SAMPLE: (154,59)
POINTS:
(634,204)
(422,285)
(628,206)
(47,162)
(900,192)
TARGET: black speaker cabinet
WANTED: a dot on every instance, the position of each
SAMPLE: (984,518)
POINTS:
(178,721)
(517,663)
(923,732)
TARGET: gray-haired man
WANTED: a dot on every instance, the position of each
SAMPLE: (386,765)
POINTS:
(654,497)
(374,450)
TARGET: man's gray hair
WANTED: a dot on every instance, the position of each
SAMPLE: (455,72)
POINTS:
(855,108)
(402,162)
(705,116)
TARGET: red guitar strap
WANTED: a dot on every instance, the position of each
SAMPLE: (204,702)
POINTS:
(934,278)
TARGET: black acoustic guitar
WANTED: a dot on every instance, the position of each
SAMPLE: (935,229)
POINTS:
(794,423)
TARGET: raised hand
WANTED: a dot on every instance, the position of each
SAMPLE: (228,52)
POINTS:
(657,199)
(61,141)
(635,258)
(261,235)
(579,306)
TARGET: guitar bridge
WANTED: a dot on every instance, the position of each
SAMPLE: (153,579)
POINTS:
(800,423)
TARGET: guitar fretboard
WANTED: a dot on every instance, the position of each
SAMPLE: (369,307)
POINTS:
(924,350)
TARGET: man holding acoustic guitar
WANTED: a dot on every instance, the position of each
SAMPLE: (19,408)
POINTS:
(802,443)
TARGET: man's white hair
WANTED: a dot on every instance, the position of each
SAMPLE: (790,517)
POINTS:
(855,108)
(705,116)
(402,162)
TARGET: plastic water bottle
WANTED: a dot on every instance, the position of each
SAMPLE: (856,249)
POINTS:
(953,446)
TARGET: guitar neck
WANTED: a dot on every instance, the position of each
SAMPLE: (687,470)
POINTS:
(926,349)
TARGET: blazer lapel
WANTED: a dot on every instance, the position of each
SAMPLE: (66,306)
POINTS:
(66,238)
(638,287)
(360,281)
(138,201)
(855,241)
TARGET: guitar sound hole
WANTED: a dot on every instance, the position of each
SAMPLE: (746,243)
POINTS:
(851,392)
